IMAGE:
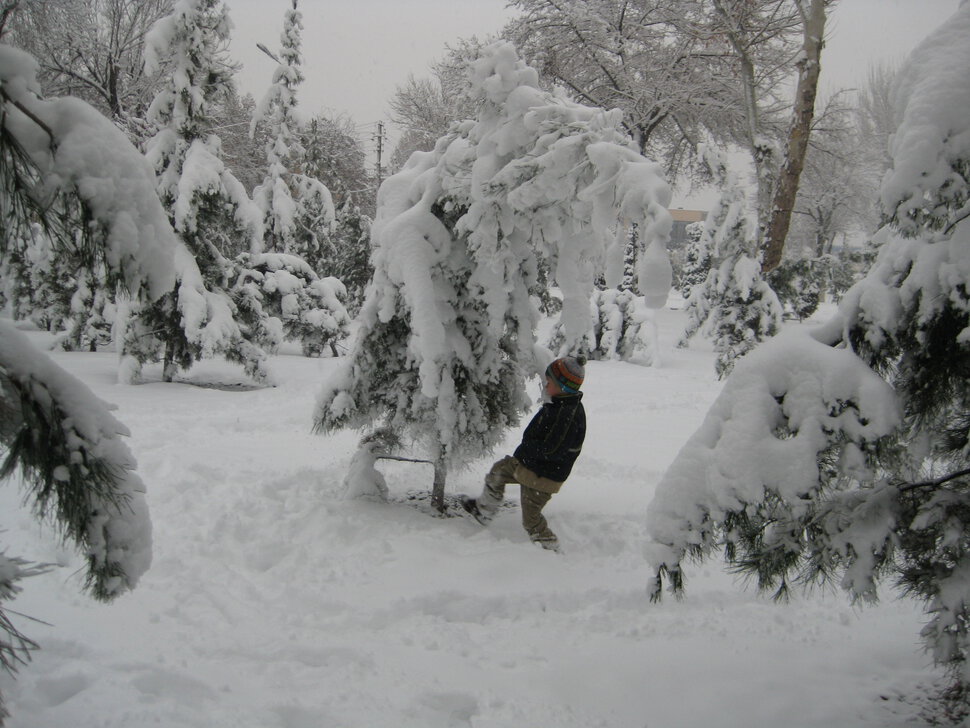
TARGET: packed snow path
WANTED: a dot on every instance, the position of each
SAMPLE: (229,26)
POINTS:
(274,603)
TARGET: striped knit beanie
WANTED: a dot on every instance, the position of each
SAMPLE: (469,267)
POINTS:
(568,373)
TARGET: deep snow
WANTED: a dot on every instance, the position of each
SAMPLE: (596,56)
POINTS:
(274,603)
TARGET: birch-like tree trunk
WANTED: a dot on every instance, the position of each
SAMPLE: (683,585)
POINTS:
(747,28)
(786,185)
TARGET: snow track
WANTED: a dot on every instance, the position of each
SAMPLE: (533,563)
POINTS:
(274,603)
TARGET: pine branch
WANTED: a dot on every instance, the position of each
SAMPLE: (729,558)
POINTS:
(15,647)
(70,492)
(936,482)
(960,218)
(30,115)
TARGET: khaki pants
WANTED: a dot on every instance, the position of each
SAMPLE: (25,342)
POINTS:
(536,492)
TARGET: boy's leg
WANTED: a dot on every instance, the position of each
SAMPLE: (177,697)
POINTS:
(501,474)
(533,501)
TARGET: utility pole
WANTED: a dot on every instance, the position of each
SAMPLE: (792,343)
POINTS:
(380,137)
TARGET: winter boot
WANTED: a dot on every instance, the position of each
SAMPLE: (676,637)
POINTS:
(470,505)
(549,544)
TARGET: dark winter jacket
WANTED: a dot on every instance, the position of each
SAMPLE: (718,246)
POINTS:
(552,441)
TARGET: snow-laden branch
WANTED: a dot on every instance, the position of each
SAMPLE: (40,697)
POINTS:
(78,151)
(80,474)
(786,404)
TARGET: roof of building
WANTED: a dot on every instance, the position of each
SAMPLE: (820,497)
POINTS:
(681,215)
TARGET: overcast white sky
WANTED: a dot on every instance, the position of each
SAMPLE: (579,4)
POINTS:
(356,52)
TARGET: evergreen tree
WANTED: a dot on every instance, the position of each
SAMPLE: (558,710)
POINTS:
(36,284)
(208,208)
(59,286)
(618,317)
(51,272)
(92,312)
(842,455)
(628,278)
(79,476)
(697,259)
(300,305)
(447,331)
(735,304)
(797,283)
(280,279)
(350,260)
(61,440)
(619,327)
(335,156)
(840,272)
(298,212)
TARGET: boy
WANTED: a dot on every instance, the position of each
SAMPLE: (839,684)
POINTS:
(542,462)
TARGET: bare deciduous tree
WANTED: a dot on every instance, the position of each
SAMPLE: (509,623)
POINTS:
(425,108)
(839,184)
(91,49)
(682,71)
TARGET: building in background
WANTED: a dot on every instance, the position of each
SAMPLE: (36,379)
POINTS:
(683,218)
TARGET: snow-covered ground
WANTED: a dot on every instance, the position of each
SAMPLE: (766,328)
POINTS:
(274,603)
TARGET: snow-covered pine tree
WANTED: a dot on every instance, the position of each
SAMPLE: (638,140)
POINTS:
(298,212)
(840,271)
(843,455)
(92,312)
(734,303)
(616,329)
(59,285)
(79,474)
(618,314)
(631,258)
(207,206)
(50,272)
(447,331)
(62,440)
(36,286)
(797,283)
(282,276)
(697,259)
(305,307)
(622,325)
(350,262)
(63,212)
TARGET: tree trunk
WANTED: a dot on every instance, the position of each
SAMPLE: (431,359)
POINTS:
(786,187)
(438,487)
(169,367)
(760,148)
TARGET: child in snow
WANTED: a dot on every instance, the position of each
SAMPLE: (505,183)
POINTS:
(542,462)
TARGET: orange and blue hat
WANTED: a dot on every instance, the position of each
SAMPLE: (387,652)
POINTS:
(568,372)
